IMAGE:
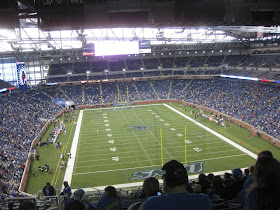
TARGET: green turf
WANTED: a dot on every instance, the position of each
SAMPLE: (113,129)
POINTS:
(50,155)
(140,150)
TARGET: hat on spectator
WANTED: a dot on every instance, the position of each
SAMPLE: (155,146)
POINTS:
(78,194)
(174,173)
(236,172)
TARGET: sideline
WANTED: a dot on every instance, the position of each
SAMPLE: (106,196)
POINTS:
(214,132)
(73,151)
(137,184)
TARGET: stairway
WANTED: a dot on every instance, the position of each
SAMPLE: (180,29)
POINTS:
(64,93)
(137,90)
(170,88)
(187,85)
(154,89)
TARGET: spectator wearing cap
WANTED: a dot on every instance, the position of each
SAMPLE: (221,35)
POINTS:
(175,179)
(233,188)
(78,199)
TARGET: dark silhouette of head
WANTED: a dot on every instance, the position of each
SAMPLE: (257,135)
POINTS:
(174,174)
(111,191)
(267,183)
(151,186)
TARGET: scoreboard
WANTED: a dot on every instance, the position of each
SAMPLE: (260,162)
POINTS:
(109,48)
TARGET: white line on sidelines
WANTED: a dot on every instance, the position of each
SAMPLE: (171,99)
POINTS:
(214,132)
(73,151)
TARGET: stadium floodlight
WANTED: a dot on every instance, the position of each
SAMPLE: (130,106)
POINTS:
(161,53)
(188,52)
(51,59)
(61,59)
(180,53)
(170,53)
(144,54)
(69,59)
(69,73)
(124,69)
(221,50)
(88,72)
(195,52)
(203,51)
(154,54)
(229,50)
(128,55)
(141,68)
(78,58)
(212,51)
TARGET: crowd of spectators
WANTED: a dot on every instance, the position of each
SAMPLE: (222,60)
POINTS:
(248,101)
(23,115)
(251,102)
(114,67)
(255,188)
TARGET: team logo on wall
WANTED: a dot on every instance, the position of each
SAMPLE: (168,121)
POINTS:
(137,127)
(192,168)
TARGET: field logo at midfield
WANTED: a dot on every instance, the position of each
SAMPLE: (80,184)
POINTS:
(191,168)
(139,127)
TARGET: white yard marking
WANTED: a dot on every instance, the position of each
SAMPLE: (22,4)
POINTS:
(111,141)
(113,149)
(173,129)
(107,125)
(106,120)
(198,160)
(115,158)
(179,134)
(166,124)
(188,141)
(108,129)
(148,157)
(109,135)
(153,136)
(215,133)
(197,149)
(162,120)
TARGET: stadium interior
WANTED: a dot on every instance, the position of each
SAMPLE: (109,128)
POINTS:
(59,57)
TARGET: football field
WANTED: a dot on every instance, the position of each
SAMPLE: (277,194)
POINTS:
(128,144)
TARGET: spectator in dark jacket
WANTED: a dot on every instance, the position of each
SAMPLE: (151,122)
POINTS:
(49,190)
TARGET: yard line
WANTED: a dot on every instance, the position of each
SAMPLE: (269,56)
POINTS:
(153,136)
(139,142)
(146,143)
(129,157)
(94,172)
(102,150)
(214,132)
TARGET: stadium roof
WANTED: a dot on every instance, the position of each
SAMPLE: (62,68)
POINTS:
(49,26)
